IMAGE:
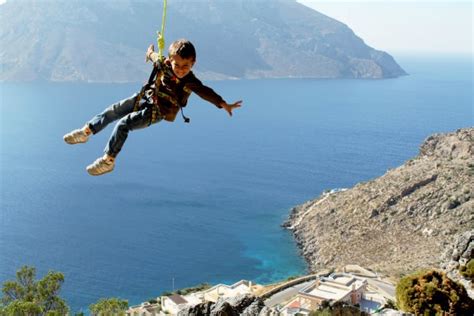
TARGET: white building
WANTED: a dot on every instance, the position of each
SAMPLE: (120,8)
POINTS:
(339,287)
(173,304)
(144,309)
(225,291)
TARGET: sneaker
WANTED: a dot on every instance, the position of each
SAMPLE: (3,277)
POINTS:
(76,136)
(100,166)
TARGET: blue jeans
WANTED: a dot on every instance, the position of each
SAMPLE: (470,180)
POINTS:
(128,121)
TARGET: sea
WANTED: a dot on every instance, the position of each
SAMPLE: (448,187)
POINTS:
(202,202)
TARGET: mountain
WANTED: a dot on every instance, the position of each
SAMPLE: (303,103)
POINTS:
(418,215)
(105,41)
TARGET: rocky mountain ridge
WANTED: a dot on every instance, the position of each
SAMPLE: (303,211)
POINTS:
(403,221)
(103,41)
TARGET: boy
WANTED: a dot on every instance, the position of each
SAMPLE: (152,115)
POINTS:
(166,92)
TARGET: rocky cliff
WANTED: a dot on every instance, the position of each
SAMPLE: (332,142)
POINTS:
(105,41)
(405,220)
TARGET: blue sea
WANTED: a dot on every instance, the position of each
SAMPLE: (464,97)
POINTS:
(202,202)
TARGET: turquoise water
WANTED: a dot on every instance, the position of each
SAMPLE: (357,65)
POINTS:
(202,202)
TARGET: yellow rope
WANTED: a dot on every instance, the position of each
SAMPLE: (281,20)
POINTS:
(161,35)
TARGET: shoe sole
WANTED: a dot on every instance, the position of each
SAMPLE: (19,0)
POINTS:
(74,142)
(70,139)
(98,174)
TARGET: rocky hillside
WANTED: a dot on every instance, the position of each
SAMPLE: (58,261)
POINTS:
(407,219)
(105,41)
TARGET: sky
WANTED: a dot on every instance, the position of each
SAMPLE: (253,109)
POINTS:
(405,26)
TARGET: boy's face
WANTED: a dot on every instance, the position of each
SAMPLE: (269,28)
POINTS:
(181,67)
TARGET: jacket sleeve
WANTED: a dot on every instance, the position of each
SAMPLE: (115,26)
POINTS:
(204,92)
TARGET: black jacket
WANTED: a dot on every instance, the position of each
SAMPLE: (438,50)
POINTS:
(172,93)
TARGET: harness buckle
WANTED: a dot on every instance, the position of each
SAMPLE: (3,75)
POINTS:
(149,94)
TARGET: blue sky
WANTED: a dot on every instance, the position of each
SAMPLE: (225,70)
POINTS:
(405,26)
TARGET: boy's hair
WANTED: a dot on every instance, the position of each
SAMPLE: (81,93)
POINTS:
(183,48)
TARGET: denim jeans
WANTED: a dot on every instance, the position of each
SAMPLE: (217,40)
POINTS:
(128,121)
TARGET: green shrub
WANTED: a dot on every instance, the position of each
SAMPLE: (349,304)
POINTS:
(338,308)
(109,306)
(197,288)
(188,290)
(432,293)
(467,271)
(390,304)
(28,296)
(292,277)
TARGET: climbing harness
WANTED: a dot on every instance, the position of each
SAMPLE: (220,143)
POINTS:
(150,91)
(147,94)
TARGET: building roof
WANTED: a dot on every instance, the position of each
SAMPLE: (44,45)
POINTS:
(151,308)
(329,292)
(295,304)
(178,299)
(334,288)
(344,280)
(244,282)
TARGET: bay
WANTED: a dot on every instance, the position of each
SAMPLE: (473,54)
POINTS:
(202,202)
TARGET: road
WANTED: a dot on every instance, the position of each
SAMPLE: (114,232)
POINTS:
(285,295)
(385,288)
(388,288)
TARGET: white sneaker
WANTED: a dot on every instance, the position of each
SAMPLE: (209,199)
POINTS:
(76,136)
(100,166)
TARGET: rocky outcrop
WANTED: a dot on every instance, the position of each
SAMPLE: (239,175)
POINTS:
(103,41)
(458,254)
(405,220)
(246,304)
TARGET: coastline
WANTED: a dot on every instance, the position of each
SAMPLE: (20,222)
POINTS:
(382,224)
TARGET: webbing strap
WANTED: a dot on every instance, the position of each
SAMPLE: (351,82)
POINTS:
(168,98)
(140,95)
(155,109)
(136,105)
(155,113)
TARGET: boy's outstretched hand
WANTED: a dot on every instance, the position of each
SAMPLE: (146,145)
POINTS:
(149,51)
(230,107)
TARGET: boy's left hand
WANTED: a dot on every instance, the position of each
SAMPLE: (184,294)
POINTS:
(230,107)
(149,51)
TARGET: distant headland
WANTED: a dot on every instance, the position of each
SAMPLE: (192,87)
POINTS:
(77,41)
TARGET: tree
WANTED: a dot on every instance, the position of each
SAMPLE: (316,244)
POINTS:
(432,293)
(337,309)
(390,304)
(18,307)
(467,271)
(109,306)
(26,296)
(23,288)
